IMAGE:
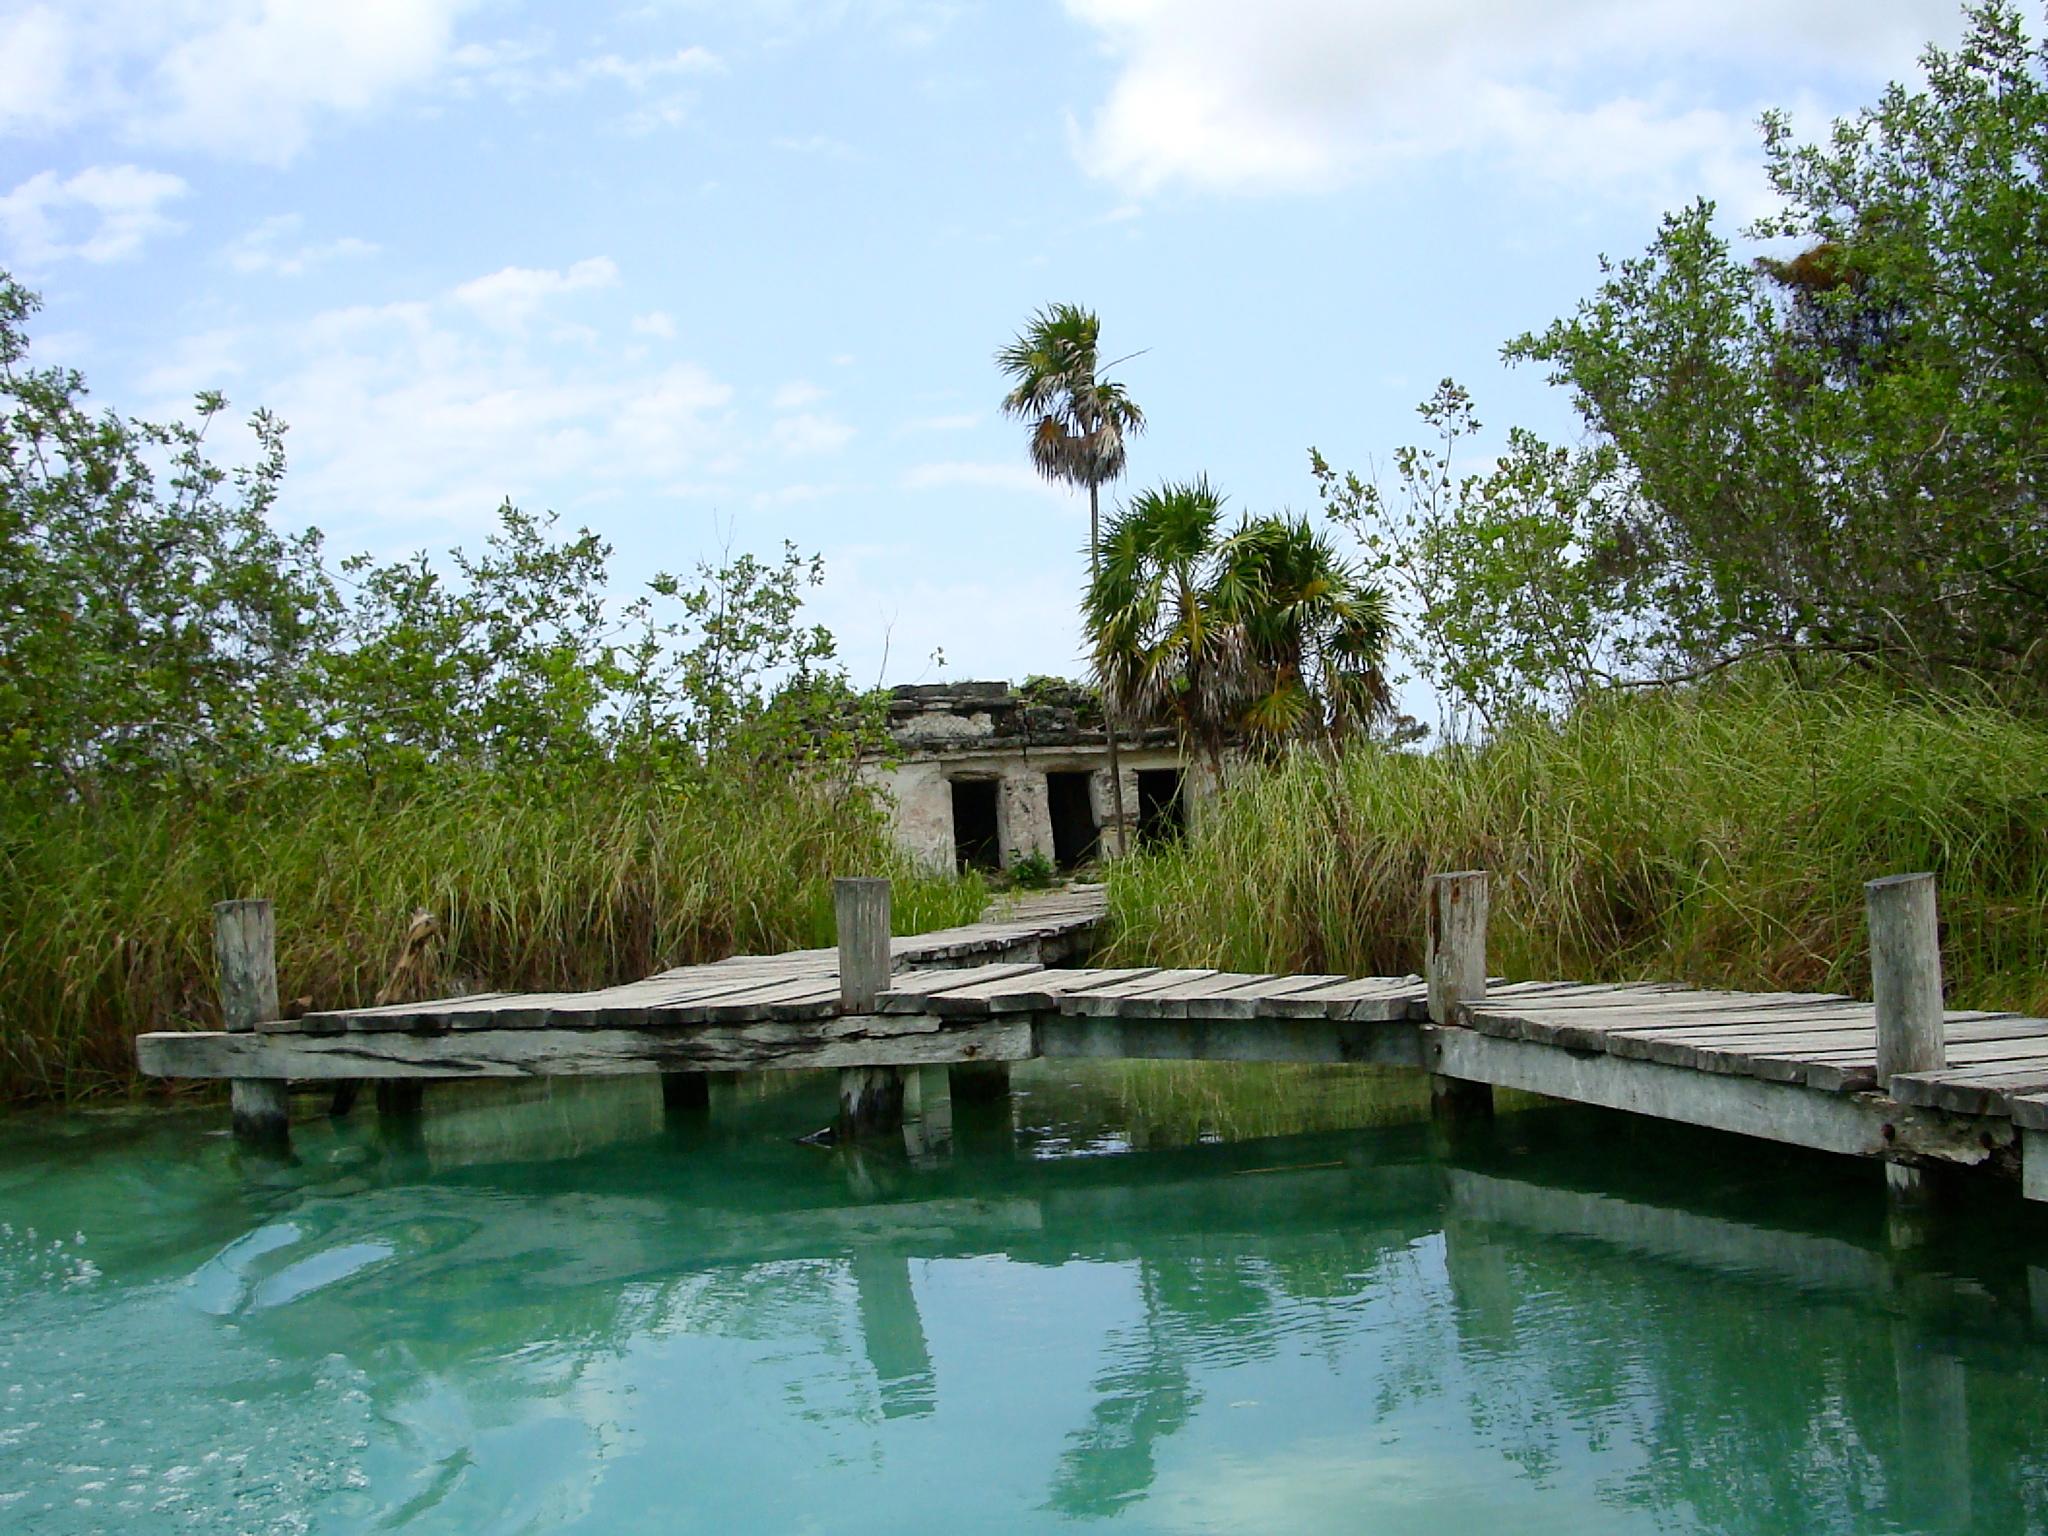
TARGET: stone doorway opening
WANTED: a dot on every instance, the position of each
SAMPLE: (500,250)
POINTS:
(977,833)
(1070,801)
(1160,814)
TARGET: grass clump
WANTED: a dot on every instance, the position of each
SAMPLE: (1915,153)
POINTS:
(1718,835)
(595,878)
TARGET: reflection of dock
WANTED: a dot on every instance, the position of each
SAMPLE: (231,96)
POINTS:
(1227,1253)
(1897,1080)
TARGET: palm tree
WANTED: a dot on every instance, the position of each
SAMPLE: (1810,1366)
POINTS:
(1079,422)
(1264,632)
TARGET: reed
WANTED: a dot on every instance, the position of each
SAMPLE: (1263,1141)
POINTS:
(595,878)
(1719,836)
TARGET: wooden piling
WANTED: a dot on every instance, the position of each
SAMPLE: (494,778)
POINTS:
(870,1098)
(245,958)
(1905,975)
(979,1081)
(1454,969)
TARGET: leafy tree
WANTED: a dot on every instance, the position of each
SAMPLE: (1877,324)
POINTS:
(1844,452)
(1513,588)
(1262,631)
(151,622)
(1080,421)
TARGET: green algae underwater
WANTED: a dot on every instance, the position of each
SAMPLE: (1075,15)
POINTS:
(1145,1297)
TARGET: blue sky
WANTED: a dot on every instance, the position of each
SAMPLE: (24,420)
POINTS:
(701,275)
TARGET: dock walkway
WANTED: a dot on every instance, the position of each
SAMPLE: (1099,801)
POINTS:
(1790,1067)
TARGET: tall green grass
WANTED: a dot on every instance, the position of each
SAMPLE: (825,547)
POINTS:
(105,928)
(1719,836)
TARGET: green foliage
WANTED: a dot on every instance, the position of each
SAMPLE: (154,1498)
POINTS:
(1080,420)
(1836,456)
(1718,835)
(596,877)
(1262,631)
(1515,597)
(1844,453)
(1032,872)
(581,788)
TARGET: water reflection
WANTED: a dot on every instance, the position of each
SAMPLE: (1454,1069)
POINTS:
(1577,1322)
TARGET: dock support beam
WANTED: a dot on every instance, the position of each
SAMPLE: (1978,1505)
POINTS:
(245,955)
(870,1098)
(1454,917)
(1905,985)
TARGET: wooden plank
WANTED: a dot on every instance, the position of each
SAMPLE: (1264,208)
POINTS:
(911,991)
(870,1040)
(1987,1090)
(1361,999)
(2031,1111)
(1855,1124)
(1105,1000)
(1025,994)
(1174,1000)
(1248,1002)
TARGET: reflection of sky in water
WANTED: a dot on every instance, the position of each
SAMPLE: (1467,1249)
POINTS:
(1579,1326)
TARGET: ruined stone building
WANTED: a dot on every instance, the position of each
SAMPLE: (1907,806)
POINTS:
(984,776)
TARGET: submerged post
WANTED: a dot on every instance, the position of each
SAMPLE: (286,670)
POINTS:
(1905,975)
(1454,918)
(870,1098)
(245,958)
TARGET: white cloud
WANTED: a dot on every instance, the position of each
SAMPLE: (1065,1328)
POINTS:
(656,322)
(1308,94)
(103,213)
(272,246)
(976,475)
(420,417)
(810,433)
(797,394)
(507,299)
(958,422)
(247,79)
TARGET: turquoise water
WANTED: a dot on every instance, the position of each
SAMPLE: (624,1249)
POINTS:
(1136,1309)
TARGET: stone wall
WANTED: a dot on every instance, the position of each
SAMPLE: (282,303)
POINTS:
(986,731)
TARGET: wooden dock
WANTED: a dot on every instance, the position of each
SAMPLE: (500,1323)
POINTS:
(1956,1089)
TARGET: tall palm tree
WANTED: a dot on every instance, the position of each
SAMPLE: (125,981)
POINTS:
(1264,632)
(1079,423)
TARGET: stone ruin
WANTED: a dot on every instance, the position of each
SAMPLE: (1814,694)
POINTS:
(984,775)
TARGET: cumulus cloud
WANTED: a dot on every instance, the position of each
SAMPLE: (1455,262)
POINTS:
(508,298)
(656,322)
(273,246)
(420,415)
(100,214)
(1295,95)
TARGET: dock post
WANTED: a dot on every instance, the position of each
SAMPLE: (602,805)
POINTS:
(245,955)
(1905,985)
(870,1098)
(979,1081)
(1454,918)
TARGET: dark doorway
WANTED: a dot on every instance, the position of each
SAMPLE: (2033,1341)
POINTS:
(1074,833)
(976,841)
(1159,808)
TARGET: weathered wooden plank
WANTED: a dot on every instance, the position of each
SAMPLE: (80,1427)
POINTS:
(1110,999)
(1855,1124)
(1987,1090)
(1362,999)
(912,991)
(1027,994)
(1249,1002)
(869,1040)
(1174,1000)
